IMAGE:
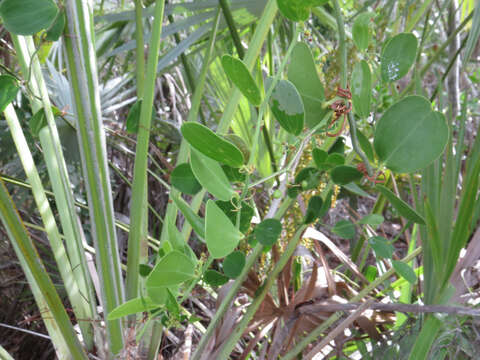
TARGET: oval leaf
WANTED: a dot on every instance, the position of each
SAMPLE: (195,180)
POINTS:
(361,89)
(410,136)
(402,207)
(345,229)
(344,174)
(195,221)
(366,146)
(238,73)
(27,17)
(360,30)
(221,236)
(268,231)
(314,209)
(56,30)
(133,306)
(319,157)
(405,271)
(183,179)
(374,220)
(233,264)
(210,174)
(8,91)
(287,106)
(302,72)
(173,269)
(298,10)
(381,246)
(397,56)
(210,144)
(214,278)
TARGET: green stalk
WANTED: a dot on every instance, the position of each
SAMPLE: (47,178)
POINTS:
(231,25)
(137,238)
(140,56)
(19,236)
(343,81)
(336,316)
(82,69)
(79,305)
(57,170)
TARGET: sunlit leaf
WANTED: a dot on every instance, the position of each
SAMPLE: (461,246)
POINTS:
(133,306)
(173,269)
(238,73)
(222,236)
(405,271)
(298,10)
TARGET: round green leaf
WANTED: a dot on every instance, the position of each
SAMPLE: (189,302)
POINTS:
(210,144)
(360,30)
(410,135)
(238,73)
(314,209)
(268,231)
(402,207)
(361,89)
(173,269)
(183,179)
(298,10)
(397,56)
(302,72)
(56,30)
(214,278)
(405,271)
(27,17)
(233,264)
(374,220)
(319,157)
(381,246)
(345,229)
(221,236)
(287,106)
(344,174)
(8,91)
(210,174)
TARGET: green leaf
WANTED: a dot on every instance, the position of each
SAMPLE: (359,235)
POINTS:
(361,89)
(214,278)
(303,74)
(335,159)
(210,144)
(365,145)
(230,208)
(319,157)
(56,30)
(398,56)
(298,10)
(234,264)
(344,174)
(173,269)
(210,174)
(221,236)
(410,135)
(314,209)
(287,106)
(308,178)
(360,30)
(8,91)
(327,203)
(374,220)
(134,306)
(195,221)
(238,73)
(37,122)
(405,271)
(473,35)
(183,179)
(27,17)
(268,231)
(381,246)
(345,229)
(402,207)
(144,270)
(133,117)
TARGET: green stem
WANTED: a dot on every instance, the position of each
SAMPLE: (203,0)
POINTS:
(140,55)
(231,26)
(343,82)
(138,233)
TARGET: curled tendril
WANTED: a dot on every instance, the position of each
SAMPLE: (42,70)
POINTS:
(363,169)
(340,107)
